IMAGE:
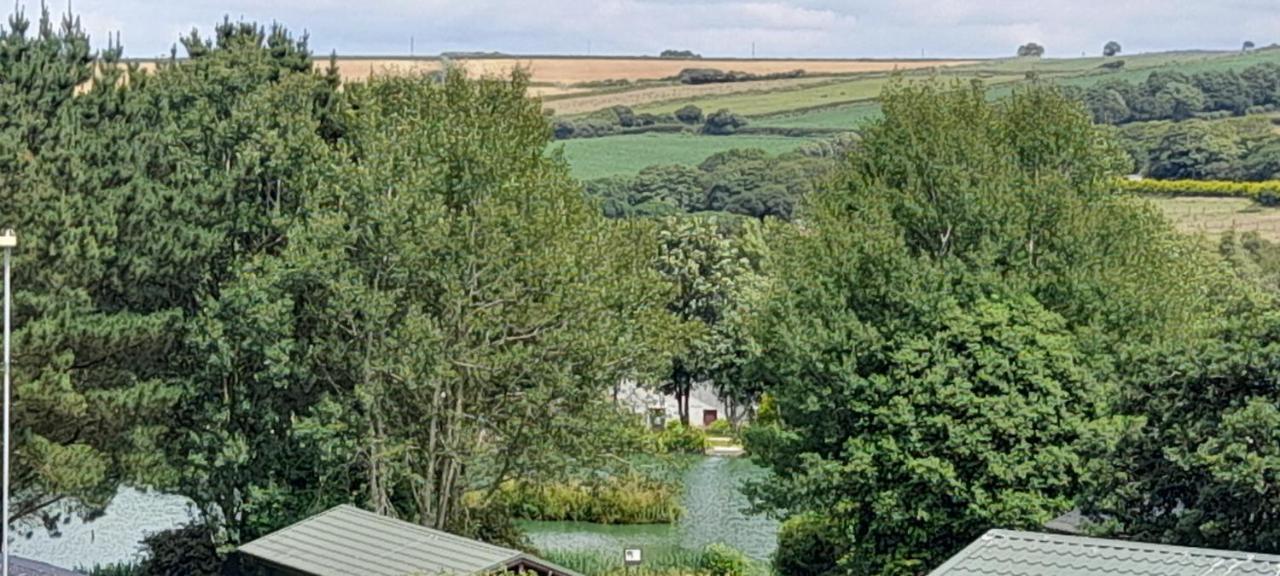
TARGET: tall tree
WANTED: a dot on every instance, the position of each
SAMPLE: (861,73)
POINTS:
(938,346)
(469,310)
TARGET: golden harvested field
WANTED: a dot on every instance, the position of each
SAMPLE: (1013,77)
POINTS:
(1213,216)
(574,70)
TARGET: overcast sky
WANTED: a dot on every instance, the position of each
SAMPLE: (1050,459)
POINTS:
(783,28)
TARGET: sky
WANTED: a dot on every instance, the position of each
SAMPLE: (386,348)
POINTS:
(729,28)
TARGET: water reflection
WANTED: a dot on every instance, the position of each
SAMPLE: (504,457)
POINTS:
(714,513)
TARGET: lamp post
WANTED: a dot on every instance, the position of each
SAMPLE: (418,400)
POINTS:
(8,241)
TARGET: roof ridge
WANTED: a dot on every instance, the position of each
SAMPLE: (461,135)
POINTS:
(1133,545)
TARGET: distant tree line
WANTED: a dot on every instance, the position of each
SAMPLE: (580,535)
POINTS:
(680,54)
(745,182)
(1228,149)
(623,119)
(714,76)
(1173,95)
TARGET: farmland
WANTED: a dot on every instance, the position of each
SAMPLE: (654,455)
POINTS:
(620,155)
(1213,216)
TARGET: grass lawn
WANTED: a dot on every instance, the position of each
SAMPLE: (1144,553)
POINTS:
(842,117)
(625,155)
(1213,216)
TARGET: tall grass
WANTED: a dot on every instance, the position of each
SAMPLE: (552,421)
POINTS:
(673,562)
(629,499)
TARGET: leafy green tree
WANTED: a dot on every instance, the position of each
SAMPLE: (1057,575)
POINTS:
(1180,100)
(1199,460)
(95,320)
(710,274)
(469,309)
(939,342)
(1107,106)
(1197,150)
(1111,49)
(1030,50)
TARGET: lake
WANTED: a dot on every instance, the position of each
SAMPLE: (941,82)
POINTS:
(714,512)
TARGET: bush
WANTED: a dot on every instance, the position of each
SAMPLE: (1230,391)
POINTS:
(1212,188)
(720,428)
(631,499)
(808,545)
(723,560)
(689,114)
(1113,65)
(185,551)
(680,439)
(723,123)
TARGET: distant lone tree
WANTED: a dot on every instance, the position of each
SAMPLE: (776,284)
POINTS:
(680,54)
(1030,49)
(1248,45)
(1111,49)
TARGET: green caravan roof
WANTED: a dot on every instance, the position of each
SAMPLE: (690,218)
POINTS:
(1009,553)
(347,540)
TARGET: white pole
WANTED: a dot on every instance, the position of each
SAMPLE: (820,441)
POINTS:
(8,241)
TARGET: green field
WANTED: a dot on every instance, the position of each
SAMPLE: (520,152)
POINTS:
(846,103)
(623,155)
(840,117)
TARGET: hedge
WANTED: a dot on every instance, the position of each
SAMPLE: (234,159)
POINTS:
(1267,192)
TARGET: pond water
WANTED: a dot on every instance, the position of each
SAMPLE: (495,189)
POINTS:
(714,512)
(114,537)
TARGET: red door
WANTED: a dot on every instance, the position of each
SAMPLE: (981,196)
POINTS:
(709,416)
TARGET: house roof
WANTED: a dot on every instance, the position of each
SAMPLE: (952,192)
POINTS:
(23,567)
(1010,553)
(347,540)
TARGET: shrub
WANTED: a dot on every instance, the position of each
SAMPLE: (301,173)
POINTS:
(689,114)
(562,129)
(723,560)
(1113,65)
(808,545)
(723,123)
(631,499)
(720,428)
(186,551)
(681,439)
(1213,188)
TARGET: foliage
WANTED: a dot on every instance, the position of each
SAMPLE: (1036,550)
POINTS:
(1226,149)
(808,545)
(713,76)
(1174,95)
(678,562)
(679,438)
(747,182)
(1111,48)
(689,114)
(626,155)
(940,334)
(721,427)
(1030,50)
(629,500)
(1199,459)
(722,560)
(1210,188)
(680,54)
(713,277)
(472,320)
(188,550)
(723,122)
